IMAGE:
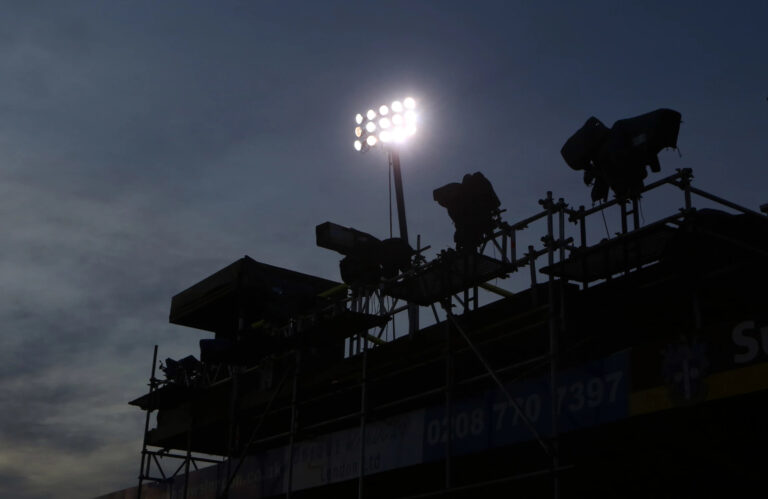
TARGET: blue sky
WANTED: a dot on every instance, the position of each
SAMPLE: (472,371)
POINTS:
(144,145)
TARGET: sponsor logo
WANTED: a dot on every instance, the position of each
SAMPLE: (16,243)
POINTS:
(685,367)
(749,341)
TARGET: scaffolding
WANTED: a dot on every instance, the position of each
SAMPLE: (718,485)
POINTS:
(288,411)
(164,465)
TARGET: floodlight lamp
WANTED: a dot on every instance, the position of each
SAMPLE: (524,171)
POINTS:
(387,124)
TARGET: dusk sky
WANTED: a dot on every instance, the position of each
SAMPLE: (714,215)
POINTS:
(145,145)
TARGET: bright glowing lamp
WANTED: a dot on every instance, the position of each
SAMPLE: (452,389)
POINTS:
(391,130)
(392,124)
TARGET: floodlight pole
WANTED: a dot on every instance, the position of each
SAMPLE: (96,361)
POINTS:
(394,161)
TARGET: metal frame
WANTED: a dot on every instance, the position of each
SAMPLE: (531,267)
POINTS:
(157,473)
(554,245)
(360,300)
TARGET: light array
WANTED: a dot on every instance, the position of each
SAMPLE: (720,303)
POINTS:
(390,124)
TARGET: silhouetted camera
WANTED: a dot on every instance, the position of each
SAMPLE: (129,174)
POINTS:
(616,158)
(366,258)
(473,207)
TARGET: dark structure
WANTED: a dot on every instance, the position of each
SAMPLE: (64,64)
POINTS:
(637,367)
(473,208)
(617,158)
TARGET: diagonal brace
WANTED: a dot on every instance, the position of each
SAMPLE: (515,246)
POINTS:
(255,431)
(544,445)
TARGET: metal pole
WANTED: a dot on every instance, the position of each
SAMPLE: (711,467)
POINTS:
(672,179)
(394,160)
(583,245)
(294,422)
(685,180)
(232,429)
(532,264)
(448,403)
(364,380)
(635,213)
(555,343)
(623,206)
(624,230)
(720,200)
(146,425)
(553,339)
(188,458)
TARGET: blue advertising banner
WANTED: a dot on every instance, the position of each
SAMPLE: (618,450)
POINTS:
(586,396)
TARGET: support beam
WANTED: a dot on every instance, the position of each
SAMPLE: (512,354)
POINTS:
(544,445)
(394,161)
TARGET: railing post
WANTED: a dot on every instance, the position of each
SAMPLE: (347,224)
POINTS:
(144,458)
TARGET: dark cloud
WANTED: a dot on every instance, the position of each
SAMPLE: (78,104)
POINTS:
(12,483)
(145,145)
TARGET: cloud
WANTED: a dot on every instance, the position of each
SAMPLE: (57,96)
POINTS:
(145,145)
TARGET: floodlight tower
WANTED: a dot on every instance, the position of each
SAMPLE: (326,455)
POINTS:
(388,128)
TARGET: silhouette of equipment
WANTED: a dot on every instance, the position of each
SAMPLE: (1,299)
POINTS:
(616,158)
(245,292)
(649,337)
(257,310)
(366,258)
(473,207)
(183,371)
